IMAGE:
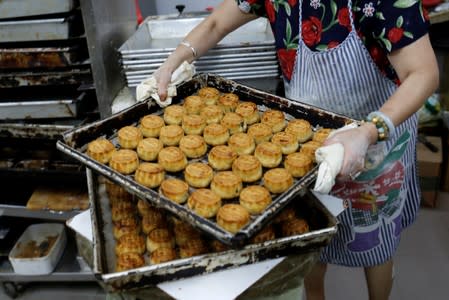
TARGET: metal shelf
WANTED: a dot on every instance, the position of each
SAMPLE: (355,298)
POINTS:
(23,212)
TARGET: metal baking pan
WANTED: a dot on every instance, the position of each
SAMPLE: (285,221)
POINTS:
(41,77)
(25,8)
(322,228)
(76,142)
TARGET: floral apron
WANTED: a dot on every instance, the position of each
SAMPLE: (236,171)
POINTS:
(386,198)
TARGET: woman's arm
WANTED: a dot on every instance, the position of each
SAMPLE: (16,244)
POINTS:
(224,19)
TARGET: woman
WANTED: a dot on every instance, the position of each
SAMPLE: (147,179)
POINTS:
(371,61)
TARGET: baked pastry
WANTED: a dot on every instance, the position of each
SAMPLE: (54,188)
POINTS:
(226,184)
(149,148)
(266,234)
(160,238)
(198,174)
(101,150)
(248,111)
(260,132)
(172,159)
(277,180)
(287,141)
(269,154)
(143,207)
(234,122)
(228,102)
(193,105)
(117,193)
(161,255)
(124,161)
(298,164)
(294,226)
(275,119)
(255,198)
(193,247)
(309,148)
(286,214)
(193,124)
(130,243)
(216,134)
(232,217)
(129,137)
(221,157)
(125,226)
(209,94)
(321,134)
(204,202)
(185,233)
(175,190)
(218,246)
(247,167)
(149,174)
(242,143)
(212,114)
(300,128)
(193,146)
(173,114)
(170,135)
(121,211)
(128,261)
(152,221)
(150,125)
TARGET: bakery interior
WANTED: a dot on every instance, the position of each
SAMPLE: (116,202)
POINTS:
(67,67)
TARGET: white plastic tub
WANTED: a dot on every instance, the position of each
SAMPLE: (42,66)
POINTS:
(39,233)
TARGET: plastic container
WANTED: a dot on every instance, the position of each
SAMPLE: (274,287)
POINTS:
(42,235)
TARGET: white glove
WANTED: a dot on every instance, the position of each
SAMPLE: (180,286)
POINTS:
(148,88)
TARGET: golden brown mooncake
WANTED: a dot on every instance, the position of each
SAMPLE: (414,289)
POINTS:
(193,105)
(170,135)
(209,95)
(215,134)
(221,157)
(193,146)
(128,261)
(175,190)
(269,154)
(260,132)
(129,137)
(300,128)
(149,174)
(185,233)
(193,124)
(321,134)
(232,217)
(275,119)
(193,247)
(149,148)
(117,193)
(286,214)
(125,226)
(160,238)
(294,226)
(204,202)
(130,243)
(121,212)
(249,112)
(298,164)
(255,198)
(150,125)
(228,102)
(226,184)
(161,255)
(152,221)
(172,159)
(233,122)
(101,150)
(287,141)
(173,114)
(242,143)
(143,207)
(277,180)
(247,167)
(266,234)
(212,114)
(198,175)
(309,148)
(124,161)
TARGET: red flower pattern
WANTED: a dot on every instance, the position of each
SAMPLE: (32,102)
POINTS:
(343,18)
(292,2)
(287,59)
(395,34)
(332,44)
(270,11)
(311,31)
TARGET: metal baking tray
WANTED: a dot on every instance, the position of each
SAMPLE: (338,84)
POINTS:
(76,142)
(24,8)
(322,223)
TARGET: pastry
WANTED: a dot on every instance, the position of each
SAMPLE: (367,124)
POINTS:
(149,148)
(218,246)
(117,193)
(275,119)
(130,243)
(212,114)
(266,234)
(193,247)
(209,95)
(242,143)
(193,146)
(204,202)
(221,157)
(232,217)
(277,180)
(294,226)
(172,159)
(226,184)
(160,238)
(269,154)
(198,174)
(124,161)
(173,114)
(309,148)
(125,226)
(255,198)
(287,141)
(152,221)
(300,128)
(228,102)
(260,132)
(101,150)
(215,134)
(193,105)
(193,124)
(185,233)
(128,261)
(249,112)
(321,134)
(175,190)
(286,214)
(161,255)
(247,167)
(234,122)
(170,135)
(121,211)
(129,137)
(298,164)
(143,207)
(149,174)
(150,125)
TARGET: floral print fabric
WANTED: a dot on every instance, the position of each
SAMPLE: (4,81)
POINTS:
(383,25)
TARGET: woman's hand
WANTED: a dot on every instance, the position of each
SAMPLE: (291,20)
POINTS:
(163,78)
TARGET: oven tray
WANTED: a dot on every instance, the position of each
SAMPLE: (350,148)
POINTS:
(76,141)
(323,226)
